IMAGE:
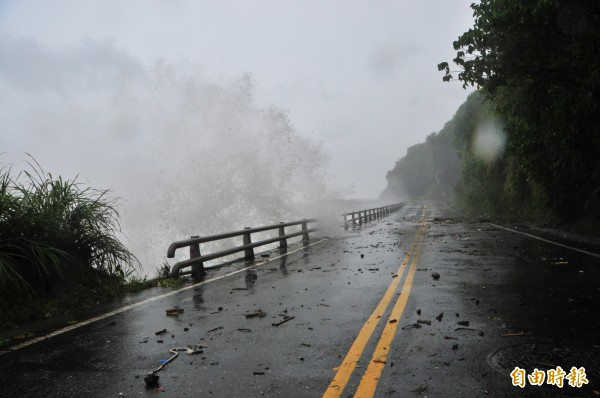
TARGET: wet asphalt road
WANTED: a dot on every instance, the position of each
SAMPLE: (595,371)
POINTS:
(527,303)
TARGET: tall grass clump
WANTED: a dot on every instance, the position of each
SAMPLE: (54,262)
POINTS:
(56,233)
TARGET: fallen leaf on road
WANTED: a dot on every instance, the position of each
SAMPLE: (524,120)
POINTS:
(287,318)
(412,326)
(513,334)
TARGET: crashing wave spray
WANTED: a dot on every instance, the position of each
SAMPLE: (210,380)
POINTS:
(215,162)
(187,156)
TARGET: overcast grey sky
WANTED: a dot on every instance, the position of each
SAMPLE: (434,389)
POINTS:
(358,76)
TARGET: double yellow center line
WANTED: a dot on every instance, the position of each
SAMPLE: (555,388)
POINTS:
(371,376)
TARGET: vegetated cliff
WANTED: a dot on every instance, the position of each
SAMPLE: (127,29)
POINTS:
(538,64)
(431,170)
(470,163)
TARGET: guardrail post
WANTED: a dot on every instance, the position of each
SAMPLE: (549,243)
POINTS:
(305,230)
(249,253)
(197,269)
(283,241)
(345,222)
(353,220)
(360,218)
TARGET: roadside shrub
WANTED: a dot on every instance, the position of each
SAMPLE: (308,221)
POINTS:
(55,231)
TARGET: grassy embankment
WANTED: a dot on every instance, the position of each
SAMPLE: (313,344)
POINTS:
(59,249)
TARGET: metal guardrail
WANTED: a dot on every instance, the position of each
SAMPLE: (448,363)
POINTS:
(360,216)
(196,260)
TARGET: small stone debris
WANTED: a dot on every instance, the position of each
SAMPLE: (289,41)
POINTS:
(424,321)
(412,326)
(245,330)
(214,329)
(174,311)
(462,328)
(373,269)
(435,275)
(477,302)
(258,313)
(418,312)
(161,332)
(239,288)
(151,379)
(454,347)
(450,338)
(439,317)
(481,334)
(186,329)
(306,344)
(463,323)
(259,373)
(362,256)
(393,321)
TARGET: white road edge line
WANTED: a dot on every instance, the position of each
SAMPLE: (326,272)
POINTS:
(138,304)
(547,241)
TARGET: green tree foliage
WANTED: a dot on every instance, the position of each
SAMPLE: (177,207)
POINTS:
(539,62)
(447,167)
(430,170)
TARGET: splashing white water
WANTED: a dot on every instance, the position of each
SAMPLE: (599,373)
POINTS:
(187,156)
